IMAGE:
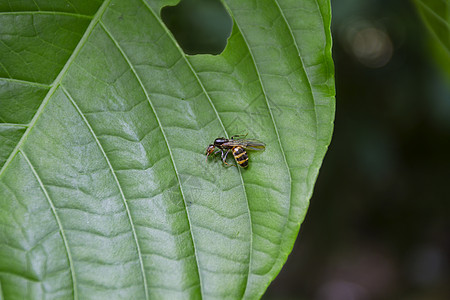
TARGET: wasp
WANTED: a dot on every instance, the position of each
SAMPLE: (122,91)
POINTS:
(237,145)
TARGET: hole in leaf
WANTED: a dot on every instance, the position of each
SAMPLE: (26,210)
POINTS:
(199,26)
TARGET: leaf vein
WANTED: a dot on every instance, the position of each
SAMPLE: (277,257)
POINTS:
(41,12)
(56,83)
(165,139)
(138,248)
(14,80)
(216,113)
(273,121)
(58,221)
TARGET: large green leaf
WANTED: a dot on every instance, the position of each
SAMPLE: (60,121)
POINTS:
(105,191)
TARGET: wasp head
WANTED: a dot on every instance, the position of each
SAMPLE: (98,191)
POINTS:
(210,150)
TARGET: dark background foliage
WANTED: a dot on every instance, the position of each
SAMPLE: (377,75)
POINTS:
(378,226)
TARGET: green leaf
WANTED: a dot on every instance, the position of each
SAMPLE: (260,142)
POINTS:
(105,191)
(436,15)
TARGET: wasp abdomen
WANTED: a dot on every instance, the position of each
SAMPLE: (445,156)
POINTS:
(240,156)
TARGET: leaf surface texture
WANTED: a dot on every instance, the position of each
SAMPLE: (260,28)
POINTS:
(104,187)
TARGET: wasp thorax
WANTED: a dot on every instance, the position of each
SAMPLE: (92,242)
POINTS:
(220,141)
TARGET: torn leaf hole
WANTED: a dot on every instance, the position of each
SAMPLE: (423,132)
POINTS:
(199,26)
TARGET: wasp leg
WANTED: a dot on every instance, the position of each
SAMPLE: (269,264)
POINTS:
(239,136)
(224,157)
(215,153)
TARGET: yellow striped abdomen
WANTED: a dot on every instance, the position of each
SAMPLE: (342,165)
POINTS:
(240,156)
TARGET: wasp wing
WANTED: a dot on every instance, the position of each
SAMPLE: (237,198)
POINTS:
(254,145)
(249,144)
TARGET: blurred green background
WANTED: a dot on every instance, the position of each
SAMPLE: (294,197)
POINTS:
(378,226)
